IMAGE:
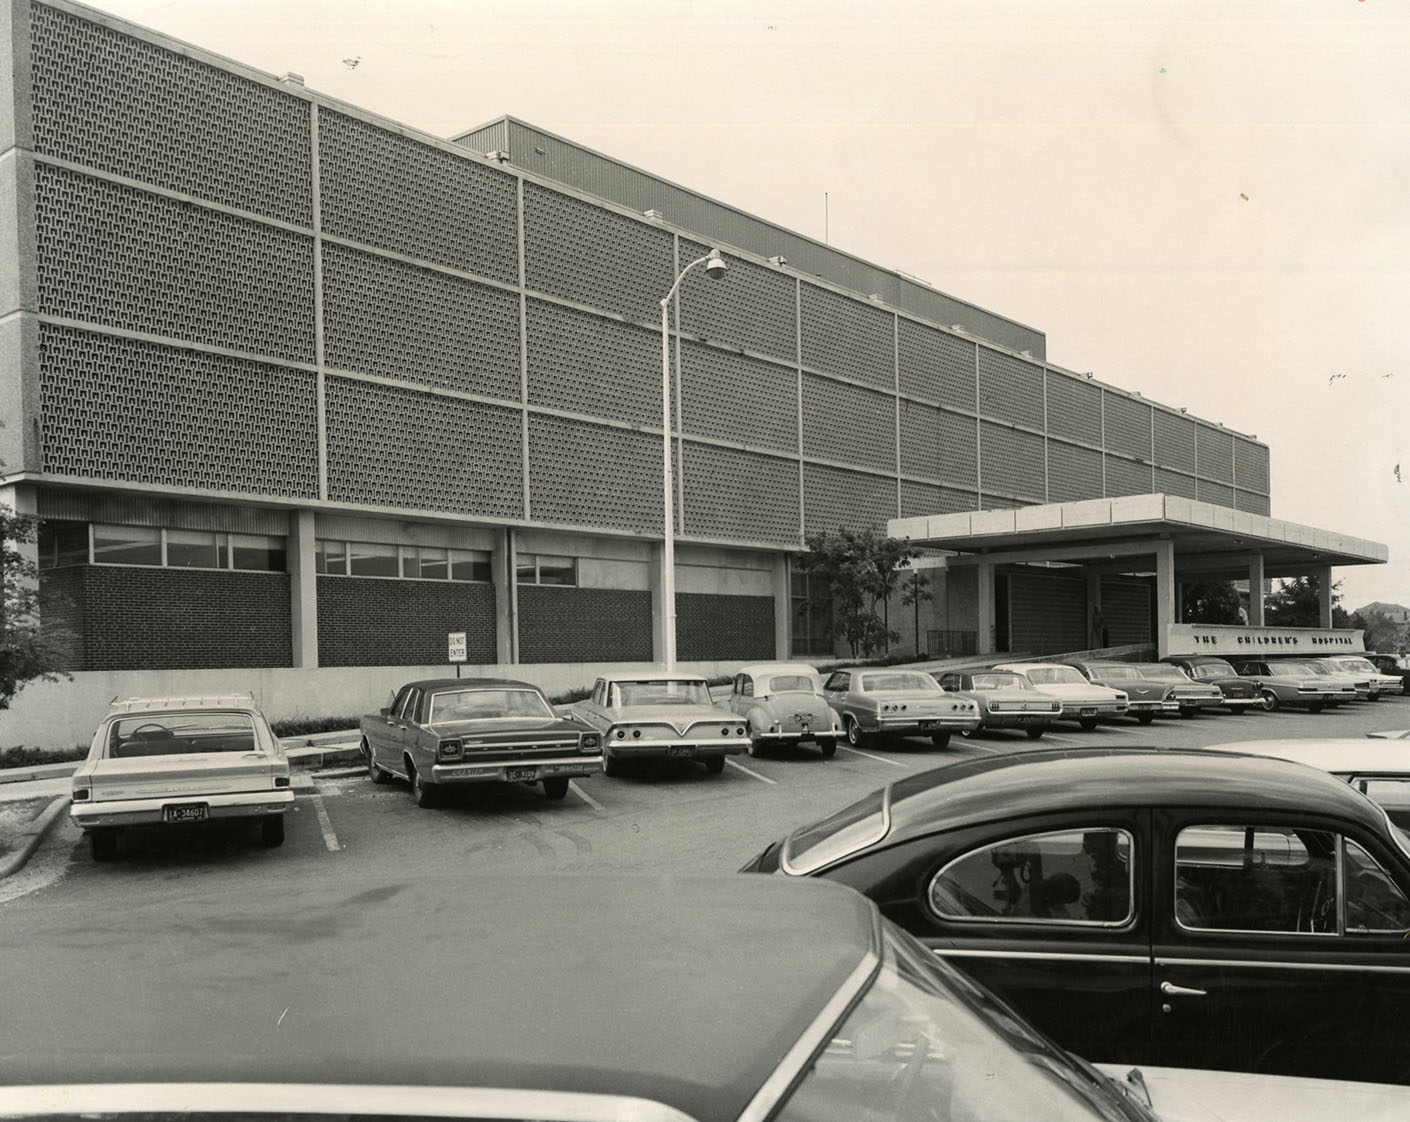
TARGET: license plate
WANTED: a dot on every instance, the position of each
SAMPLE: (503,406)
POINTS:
(517,774)
(681,750)
(186,812)
(1087,711)
(928,724)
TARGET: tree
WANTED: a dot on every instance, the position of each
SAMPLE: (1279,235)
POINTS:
(915,591)
(1211,601)
(1295,603)
(25,652)
(859,568)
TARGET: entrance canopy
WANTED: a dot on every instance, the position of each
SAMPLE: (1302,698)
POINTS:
(1209,542)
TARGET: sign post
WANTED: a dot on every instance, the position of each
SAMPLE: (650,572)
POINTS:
(456,645)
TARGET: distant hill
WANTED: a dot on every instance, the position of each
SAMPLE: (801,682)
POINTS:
(1397,613)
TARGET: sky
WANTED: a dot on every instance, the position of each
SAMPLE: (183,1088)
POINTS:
(1204,202)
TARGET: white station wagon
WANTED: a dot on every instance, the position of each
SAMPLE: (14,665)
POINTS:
(175,761)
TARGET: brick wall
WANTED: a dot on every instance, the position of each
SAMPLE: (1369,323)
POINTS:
(363,621)
(584,624)
(61,613)
(710,626)
(122,618)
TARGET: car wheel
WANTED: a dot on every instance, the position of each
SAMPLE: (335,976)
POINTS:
(1087,724)
(374,773)
(1144,718)
(102,843)
(754,747)
(424,793)
(1035,732)
(828,748)
(271,831)
(611,765)
(856,737)
(1314,707)
(1270,701)
(940,739)
(714,764)
(1187,713)
(555,788)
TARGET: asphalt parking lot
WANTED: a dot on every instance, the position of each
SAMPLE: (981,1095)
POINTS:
(673,817)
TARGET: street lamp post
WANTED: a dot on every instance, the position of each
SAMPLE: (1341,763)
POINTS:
(714,268)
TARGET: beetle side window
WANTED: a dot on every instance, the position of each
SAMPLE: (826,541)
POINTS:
(1374,902)
(1074,876)
(1237,878)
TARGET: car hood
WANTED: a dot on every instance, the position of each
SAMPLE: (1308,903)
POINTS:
(1076,691)
(1188,1095)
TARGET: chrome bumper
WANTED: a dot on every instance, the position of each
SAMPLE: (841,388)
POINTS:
(148,812)
(508,771)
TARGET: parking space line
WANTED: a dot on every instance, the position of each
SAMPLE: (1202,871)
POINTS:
(868,755)
(1062,739)
(330,839)
(592,802)
(755,774)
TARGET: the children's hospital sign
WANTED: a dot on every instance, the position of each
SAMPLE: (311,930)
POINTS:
(1231,641)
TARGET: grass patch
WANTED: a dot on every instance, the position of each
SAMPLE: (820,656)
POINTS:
(307,726)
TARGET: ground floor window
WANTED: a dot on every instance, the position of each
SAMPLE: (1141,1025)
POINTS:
(546,568)
(810,597)
(404,562)
(99,543)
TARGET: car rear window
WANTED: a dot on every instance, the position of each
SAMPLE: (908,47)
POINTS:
(896,681)
(849,831)
(471,705)
(171,734)
(782,683)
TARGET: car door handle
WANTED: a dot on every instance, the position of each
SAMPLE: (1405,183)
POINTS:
(1170,989)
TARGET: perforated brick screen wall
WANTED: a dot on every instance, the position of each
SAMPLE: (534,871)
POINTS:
(133,618)
(364,621)
(584,624)
(715,626)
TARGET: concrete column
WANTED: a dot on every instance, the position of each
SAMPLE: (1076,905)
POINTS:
(984,603)
(783,607)
(303,587)
(1323,573)
(506,599)
(1164,595)
(1255,590)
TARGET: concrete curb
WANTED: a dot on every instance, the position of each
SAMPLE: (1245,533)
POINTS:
(33,834)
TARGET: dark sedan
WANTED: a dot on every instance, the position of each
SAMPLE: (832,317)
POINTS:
(1240,694)
(448,732)
(1180,907)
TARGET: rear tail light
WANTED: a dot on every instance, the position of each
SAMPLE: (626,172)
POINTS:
(449,750)
(739,731)
(81,795)
(281,781)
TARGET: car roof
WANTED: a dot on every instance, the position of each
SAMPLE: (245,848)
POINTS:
(1015,785)
(1341,755)
(1022,666)
(433,684)
(242,701)
(625,985)
(1197,658)
(778,668)
(650,676)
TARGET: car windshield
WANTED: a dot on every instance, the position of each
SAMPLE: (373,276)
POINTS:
(1055,676)
(786,683)
(925,1043)
(692,691)
(169,734)
(876,683)
(1158,673)
(999,681)
(487,705)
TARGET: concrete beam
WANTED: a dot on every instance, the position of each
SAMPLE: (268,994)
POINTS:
(1255,590)
(303,588)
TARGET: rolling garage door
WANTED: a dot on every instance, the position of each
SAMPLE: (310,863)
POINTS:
(1047,614)
(1126,606)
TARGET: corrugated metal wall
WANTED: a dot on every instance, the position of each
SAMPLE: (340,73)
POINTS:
(1047,613)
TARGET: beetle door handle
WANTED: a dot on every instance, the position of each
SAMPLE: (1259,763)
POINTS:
(1170,989)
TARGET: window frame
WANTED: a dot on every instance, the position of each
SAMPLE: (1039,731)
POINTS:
(1065,922)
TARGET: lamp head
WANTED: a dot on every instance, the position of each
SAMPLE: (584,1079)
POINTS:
(715,267)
